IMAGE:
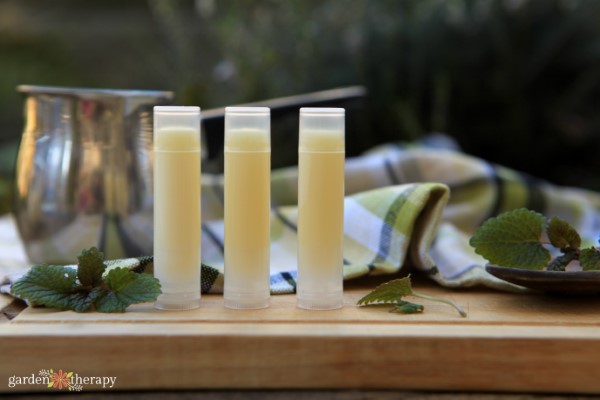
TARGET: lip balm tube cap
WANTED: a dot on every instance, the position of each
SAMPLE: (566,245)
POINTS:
(322,129)
(247,118)
(176,116)
(247,128)
(169,120)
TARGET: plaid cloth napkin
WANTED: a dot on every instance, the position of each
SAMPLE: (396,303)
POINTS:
(407,207)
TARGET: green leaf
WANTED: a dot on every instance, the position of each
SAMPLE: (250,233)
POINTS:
(125,288)
(108,302)
(512,239)
(406,307)
(590,259)
(90,267)
(83,300)
(48,285)
(390,292)
(562,235)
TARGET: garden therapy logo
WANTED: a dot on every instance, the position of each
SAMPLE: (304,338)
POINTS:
(62,380)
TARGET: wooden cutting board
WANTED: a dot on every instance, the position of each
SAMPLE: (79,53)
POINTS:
(508,342)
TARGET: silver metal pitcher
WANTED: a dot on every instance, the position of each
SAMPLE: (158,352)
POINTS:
(84,172)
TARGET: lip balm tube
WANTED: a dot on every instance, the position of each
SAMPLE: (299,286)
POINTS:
(177,206)
(321,154)
(247,207)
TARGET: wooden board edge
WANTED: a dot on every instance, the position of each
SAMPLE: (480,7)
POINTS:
(505,362)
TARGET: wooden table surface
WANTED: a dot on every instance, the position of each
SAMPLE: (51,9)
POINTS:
(532,344)
(508,343)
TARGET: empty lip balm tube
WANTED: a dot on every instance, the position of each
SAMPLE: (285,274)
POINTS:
(247,207)
(320,208)
(177,219)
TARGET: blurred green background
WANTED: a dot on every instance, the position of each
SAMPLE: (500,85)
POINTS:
(516,82)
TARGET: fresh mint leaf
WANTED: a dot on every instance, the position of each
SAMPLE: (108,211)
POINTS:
(390,292)
(590,259)
(90,267)
(562,235)
(83,299)
(108,302)
(124,288)
(406,307)
(513,239)
(48,285)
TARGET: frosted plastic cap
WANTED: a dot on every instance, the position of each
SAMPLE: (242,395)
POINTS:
(247,128)
(176,128)
(322,129)
(176,116)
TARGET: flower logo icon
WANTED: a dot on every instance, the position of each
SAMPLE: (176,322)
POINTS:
(60,379)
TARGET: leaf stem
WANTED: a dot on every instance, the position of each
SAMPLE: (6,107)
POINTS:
(458,308)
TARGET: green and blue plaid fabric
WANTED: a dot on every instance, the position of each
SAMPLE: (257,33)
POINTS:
(407,208)
(412,207)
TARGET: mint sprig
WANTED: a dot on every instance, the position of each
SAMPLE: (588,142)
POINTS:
(521,238)
(393,291)
(88,287)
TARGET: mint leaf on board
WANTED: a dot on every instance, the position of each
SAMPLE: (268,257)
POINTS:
(562,235)
(512,239)
(90,267)
(83,300)
(48,285)
(392,293)
(590,259)
(57,286)
(125,287)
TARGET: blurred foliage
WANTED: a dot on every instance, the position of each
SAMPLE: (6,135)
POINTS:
(516,82)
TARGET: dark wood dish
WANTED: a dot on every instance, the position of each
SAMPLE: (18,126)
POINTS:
(580,282)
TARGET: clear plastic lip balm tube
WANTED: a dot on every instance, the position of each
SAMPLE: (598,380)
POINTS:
(177,216)
(321,154)
(247,207)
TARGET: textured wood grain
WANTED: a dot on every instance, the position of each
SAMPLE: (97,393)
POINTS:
(509,342)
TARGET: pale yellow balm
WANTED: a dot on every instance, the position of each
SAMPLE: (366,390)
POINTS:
(320,208)
(177,219)
(247,207)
